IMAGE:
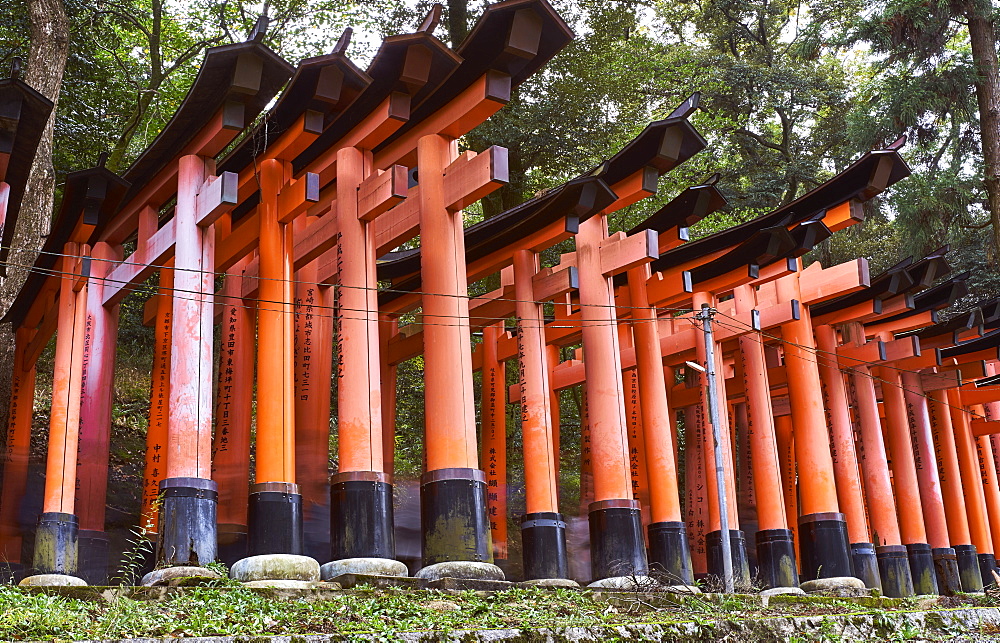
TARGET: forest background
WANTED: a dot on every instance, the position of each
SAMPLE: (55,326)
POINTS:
(791,92)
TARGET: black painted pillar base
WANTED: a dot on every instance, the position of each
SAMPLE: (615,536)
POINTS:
(968,568)
(987,564)
(669,553)
(866,565)
(453,517)
(187,522)
(233,544)
(824,551)
(738,546)
(361,516)
(93,550)
(776,558)
(922,569)
(274,519)
(543,535)
(616,544)
(894,569)
(946,568)
(57,544)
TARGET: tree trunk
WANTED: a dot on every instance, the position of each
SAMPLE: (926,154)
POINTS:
(982,34)
(46,63)
(458,21)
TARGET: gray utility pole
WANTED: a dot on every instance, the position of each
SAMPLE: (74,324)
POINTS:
(705,316)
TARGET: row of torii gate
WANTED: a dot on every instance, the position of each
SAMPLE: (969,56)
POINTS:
(858,432)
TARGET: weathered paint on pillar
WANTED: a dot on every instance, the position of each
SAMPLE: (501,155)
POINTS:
(189,432)
(99,342)
(17,448)
(602,365)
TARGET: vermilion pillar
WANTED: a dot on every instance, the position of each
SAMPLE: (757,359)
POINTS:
(988,472)
(972,487)
(453,490)
(56,536)
(785,440)
(159,407)
(99,341)
(388,326)
(543,528)
(668,544)
(233,409)
(188,514)
(952,492)
(905,485)
(850,492)
(823,547)
(275,502)
(494,395)
(713,538)
(314,324)
(893,562)
(775,542)
(695,490)
(616,541)
(17,451)
(361,492)
(932,501)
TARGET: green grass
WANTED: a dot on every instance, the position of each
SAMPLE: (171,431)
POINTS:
(230,609)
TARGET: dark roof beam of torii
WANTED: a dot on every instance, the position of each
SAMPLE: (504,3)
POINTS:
(23,114)
(234,83)
(661,146)
(90,199)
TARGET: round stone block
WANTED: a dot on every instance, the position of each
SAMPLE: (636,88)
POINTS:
(364,567)
(275,567)
(680,589)
(181,576)
(627,583)
(461,569)
(552,582)
(52,580)
(779,591)
(281,584)
(832,584)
